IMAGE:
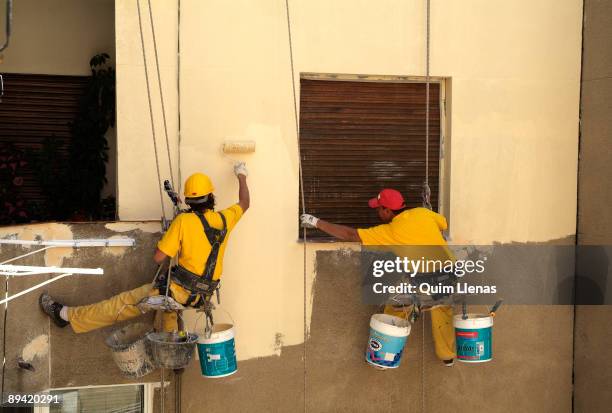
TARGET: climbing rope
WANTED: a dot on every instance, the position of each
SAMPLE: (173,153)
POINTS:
(426,189)
(161,93)
(423,363)
(146,70)
(4,316)
(178,100)
(301,181)
(159,180)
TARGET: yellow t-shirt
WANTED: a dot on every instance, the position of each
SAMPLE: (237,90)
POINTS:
(414,233)
(186,237)
(417,226)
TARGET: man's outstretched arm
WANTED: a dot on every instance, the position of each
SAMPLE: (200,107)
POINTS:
(159,256)
(244,197)
(341,232)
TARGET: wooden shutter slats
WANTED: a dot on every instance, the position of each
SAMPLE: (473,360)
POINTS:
(363,131)
(357,138)
(357,171)
(48,127)
(7,121)
(15,135)
(34,108)
(386,88)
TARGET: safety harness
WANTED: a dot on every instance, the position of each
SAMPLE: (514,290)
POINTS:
(202,285)
(438,280)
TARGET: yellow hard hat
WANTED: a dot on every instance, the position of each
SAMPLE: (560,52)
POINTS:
(198,185)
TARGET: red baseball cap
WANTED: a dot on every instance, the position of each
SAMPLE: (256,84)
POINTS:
(388,198)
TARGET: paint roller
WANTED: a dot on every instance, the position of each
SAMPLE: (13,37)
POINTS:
(231,146)
(237,147)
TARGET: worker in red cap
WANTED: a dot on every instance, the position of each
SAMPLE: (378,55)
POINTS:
(401,226)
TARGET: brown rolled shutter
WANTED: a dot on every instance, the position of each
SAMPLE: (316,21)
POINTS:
(357,138)
(33,108)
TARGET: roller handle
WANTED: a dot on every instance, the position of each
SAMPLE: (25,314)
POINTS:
(495,307)
(173,195)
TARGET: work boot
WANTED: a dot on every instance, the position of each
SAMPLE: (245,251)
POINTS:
(449,362)
(52,309)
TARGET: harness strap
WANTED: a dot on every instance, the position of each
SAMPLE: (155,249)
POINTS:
(215,238)
(191,299)
(193,283)
(202,285)
(432,279)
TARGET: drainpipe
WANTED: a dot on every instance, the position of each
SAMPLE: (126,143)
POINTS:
(9,18)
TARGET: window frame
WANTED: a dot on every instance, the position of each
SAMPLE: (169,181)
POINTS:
(443,205)
(148,394)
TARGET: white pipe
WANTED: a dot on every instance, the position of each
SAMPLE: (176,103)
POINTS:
(29,270)
(19,294)
(76,243)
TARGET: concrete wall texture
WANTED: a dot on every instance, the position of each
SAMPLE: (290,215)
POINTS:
(593,336)
(532,346)
(61,358)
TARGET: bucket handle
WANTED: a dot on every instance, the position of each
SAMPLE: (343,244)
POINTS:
(195,324)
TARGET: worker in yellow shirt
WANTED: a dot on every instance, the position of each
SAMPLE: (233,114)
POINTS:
(401,226)
(198,236)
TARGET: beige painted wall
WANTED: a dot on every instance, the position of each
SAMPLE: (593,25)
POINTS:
(58,37)
(135,152)
(515,69)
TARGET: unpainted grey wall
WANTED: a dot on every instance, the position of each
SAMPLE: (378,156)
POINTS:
(72,359)
(593,335)
(531,371)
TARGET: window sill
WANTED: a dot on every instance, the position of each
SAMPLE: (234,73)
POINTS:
(325,241)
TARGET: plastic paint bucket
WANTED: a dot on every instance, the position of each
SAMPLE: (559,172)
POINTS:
(388,335)
(474,337)
(218,353)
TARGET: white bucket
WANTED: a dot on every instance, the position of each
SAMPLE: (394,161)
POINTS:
(218,352)
(388,335)
(474,337)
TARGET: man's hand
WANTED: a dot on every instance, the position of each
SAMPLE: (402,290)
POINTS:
(309,221)
(240,169)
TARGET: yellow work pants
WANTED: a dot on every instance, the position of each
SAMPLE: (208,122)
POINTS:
(442,328)
(118,308)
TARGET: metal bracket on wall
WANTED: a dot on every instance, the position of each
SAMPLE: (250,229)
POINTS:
(24,270)
(76,243)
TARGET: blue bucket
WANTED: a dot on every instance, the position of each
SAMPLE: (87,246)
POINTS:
(474,337)
(388,335)
(218,352)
